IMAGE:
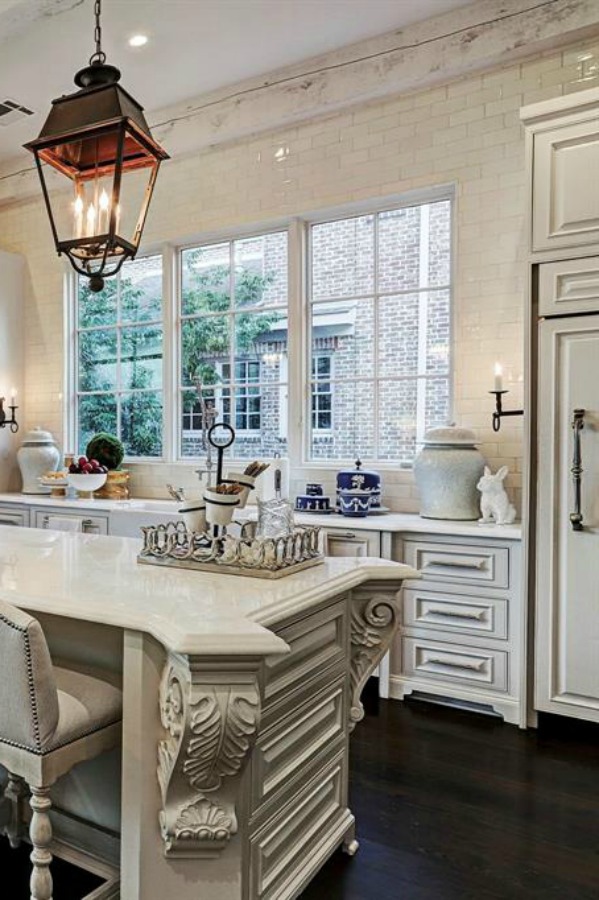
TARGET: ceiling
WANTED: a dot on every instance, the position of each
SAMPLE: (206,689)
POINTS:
(194,46)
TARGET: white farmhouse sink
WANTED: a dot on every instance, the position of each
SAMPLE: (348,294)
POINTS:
(128,516)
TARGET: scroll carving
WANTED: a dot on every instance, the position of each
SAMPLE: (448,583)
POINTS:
(374,621)
(211,721)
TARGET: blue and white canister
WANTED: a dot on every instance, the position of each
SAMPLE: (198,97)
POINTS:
(354,503)
(360,479)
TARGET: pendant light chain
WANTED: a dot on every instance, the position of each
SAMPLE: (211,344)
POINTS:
(99,55)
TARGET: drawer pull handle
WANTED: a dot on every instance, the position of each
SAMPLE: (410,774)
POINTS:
(576,517)
(458,562)
(85,523)
(474,665)
(455,614)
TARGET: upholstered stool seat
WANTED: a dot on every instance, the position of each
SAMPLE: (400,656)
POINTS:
(51,718)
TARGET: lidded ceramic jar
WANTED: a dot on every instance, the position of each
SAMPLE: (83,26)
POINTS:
(447,471)
(360,479)
(37,455)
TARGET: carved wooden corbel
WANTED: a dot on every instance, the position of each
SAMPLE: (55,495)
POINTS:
(211,716)
(374,621)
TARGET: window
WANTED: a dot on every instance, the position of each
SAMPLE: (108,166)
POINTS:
(233,333)
(379,294)
(376,338)
(322,393)
(119,338)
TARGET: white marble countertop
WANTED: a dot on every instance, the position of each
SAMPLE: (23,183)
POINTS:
(393,522)
(97,578)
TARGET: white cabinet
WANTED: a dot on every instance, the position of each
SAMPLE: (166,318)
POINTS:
(567,560)
(463,625)
(563,158)
(568,287)
(351,542)
(563,138)
(14,515)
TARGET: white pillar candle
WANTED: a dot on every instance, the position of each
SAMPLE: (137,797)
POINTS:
(498,377)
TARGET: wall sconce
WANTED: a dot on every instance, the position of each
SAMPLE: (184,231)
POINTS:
(499,391)
(4,421)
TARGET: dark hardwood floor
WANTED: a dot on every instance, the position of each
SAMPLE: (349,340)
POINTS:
(457,806)
(450,806)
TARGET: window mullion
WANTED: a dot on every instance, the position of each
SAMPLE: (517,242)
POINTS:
(376,405)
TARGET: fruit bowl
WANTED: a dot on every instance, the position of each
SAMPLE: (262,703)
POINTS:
(86,483)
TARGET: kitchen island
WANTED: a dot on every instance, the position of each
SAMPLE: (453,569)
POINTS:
(239,699)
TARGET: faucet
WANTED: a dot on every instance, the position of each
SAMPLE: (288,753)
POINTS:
(209,414)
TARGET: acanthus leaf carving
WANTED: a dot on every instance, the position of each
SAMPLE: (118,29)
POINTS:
(224,725)
(373,624)
(211,722)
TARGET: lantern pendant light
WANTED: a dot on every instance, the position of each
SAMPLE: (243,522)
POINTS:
(99,139)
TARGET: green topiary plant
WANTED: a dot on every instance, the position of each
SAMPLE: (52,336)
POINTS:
(107,449)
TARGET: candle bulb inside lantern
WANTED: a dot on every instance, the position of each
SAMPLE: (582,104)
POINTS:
(498,377)
(91,221)
(104,205)
(78,207)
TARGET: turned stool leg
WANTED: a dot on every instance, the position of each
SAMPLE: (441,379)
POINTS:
(15,791)
(40,833)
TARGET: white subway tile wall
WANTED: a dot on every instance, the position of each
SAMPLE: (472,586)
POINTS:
(466,132)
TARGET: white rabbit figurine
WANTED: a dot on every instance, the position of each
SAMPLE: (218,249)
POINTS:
(494,502)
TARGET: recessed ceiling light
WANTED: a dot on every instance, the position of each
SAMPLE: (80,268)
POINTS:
(138,40)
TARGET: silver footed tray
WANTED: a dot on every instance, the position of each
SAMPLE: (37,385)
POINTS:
(258,557)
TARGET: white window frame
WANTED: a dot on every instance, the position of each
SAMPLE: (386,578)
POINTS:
(229,237)
(351,210)
(298,386)
(71,357)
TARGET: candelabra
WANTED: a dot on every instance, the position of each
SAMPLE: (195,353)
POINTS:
(4,421)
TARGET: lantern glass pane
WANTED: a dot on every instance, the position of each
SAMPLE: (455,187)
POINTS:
(132,207)
(82,214)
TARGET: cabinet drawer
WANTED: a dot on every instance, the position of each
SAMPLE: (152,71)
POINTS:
(455,663)
(570,286)
(89,524)
(288,847)
(290,748)
(11,515)
(457,563)
(351,542)
(316,642)
(456,613)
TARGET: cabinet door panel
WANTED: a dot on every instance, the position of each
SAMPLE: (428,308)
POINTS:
(567,601)
(566,187)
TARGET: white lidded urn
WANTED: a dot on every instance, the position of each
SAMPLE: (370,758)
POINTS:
(37,455)
(447,471)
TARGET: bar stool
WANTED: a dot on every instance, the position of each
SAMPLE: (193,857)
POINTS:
(51,718)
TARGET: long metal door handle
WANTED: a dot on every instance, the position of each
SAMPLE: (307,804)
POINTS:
(576,517)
